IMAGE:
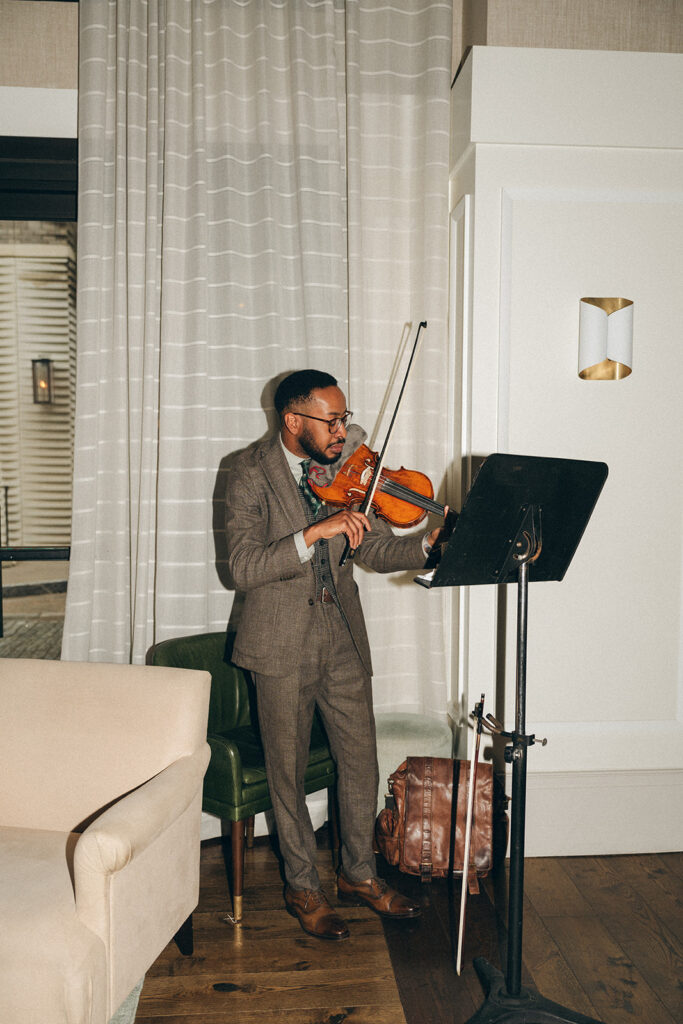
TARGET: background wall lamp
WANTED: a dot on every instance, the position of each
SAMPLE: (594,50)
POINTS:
(42,381)
(605,338)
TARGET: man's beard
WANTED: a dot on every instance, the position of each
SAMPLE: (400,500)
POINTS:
(314,452)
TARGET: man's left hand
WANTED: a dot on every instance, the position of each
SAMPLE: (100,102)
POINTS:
(441,534)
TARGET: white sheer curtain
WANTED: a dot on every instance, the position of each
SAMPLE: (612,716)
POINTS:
(397,88)
(263,186)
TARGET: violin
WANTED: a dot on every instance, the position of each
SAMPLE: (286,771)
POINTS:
(402,496)
(384,491)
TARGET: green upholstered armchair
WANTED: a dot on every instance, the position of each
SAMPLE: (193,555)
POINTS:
(235,786)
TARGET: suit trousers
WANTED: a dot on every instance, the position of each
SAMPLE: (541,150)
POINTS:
(332,676)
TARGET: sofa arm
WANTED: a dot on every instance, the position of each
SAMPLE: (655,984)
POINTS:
(136,870)
(128,827)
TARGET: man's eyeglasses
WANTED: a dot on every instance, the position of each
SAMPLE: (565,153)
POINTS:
(333,425)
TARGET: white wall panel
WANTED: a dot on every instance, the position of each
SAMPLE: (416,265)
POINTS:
(599,648)
(576,97)
(552,223)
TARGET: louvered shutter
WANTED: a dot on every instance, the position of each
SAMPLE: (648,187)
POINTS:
(37,321)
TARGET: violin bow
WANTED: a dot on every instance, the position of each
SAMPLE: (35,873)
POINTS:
(349,552)
(477,714)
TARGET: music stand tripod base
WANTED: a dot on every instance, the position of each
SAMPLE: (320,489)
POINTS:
(529,1007)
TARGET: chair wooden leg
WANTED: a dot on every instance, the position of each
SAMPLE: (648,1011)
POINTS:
(250,832)
(333,818)
(184,937)
(237,842)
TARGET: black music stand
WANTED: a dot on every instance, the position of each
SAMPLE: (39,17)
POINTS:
(522,522)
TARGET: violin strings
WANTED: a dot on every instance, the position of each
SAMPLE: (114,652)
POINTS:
(397,490)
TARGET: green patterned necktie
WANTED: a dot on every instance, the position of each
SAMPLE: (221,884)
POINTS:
(306,488)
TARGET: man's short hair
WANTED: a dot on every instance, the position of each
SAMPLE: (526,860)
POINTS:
(297,387)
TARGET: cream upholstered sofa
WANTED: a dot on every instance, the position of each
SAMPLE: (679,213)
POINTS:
(100,807)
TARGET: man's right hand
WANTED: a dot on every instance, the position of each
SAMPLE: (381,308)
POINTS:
(347,521)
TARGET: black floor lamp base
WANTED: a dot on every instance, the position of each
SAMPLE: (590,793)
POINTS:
(529,1007)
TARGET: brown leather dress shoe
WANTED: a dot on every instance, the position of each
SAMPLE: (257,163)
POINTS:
(377,895)
(315,914)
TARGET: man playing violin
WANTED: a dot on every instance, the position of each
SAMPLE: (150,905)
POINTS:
(302,636)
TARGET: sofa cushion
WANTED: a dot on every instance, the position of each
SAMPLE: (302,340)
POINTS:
(106,729)
(53,967)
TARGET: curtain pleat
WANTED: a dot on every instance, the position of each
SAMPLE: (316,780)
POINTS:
(263,186)
(398,61)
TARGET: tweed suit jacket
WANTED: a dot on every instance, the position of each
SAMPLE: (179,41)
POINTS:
(263,513)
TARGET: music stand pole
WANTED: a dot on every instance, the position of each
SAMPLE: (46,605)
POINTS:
(518,753)
(507,1001)
(522,521)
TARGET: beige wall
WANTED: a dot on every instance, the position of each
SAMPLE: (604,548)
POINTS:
(39,45)
(39,41)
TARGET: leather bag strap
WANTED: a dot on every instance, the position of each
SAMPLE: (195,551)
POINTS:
(427,791)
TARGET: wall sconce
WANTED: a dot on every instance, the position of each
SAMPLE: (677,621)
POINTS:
(605,338)
(42,381)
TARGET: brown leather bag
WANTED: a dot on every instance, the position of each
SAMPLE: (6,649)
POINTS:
(417,834)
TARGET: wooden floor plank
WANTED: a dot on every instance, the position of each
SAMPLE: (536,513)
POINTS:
(634,924)
(239,991)
(654,875)
(312,1015)
(424,953)
(551,890)
(614,986)
(673,862)
(222,961)
(661,888)
(550,972)
(480,939)
(266,967)
(422,958)
(271,940)
(543,965)
(600,936)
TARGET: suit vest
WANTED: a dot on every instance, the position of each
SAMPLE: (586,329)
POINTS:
(321,555)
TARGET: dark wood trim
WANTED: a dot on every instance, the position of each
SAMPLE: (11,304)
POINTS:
(38,178)
(32,554)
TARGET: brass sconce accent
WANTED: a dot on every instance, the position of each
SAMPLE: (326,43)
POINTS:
(42,381)
(605,338)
